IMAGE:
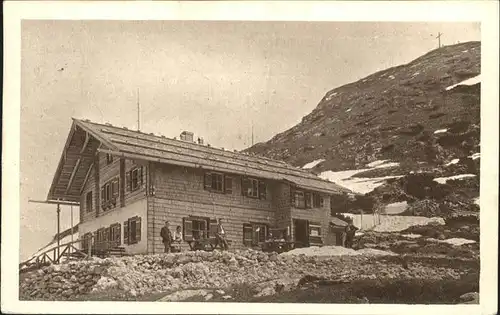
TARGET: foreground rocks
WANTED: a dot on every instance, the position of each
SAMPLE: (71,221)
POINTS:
(268,273)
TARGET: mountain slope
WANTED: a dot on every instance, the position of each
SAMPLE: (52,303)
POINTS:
(392,115)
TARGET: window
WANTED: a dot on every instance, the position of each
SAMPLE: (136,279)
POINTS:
(132,230)
(307,200)
(218,182)
(253,188)
(135,178)
(228,184)
(110,193)
(88,201)
(109,158)
(299,201)
(197,227)
(115,234)
(317,201)
(314,229)
(254,233)
(302,199)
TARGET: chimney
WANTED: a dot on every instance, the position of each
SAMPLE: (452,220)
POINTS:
(200,140)
(187,136)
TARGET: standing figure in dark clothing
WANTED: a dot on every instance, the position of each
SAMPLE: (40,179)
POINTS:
(350,232)
(221,235)
(166,236)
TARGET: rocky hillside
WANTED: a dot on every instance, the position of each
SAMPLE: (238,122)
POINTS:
(392,115)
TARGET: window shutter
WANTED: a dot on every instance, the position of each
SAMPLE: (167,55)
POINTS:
(187,230)
(125,232)
(129,181)
(118,234)
(228,184)
(247,234)
(140,179)
(138,229)
(212,228)
(103,195)
(307,200)
(208,181)
(116,188)
(292,196)
(321,202)
(262,190)
(245,183)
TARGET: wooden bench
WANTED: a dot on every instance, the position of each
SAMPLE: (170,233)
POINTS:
(206,244)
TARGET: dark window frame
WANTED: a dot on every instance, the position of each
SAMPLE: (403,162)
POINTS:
(255,188)
(89,204)
(256,236)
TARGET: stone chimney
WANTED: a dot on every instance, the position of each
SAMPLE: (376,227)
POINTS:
(200,141)
(187,136)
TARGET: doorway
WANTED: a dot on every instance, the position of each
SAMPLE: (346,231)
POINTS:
(301,232)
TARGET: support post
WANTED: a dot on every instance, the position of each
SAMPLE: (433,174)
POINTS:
(58,230)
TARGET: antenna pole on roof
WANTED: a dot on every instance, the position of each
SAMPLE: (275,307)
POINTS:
(138,112)
(252,133)
(439,39)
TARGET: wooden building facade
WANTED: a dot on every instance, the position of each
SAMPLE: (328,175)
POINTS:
(128,183)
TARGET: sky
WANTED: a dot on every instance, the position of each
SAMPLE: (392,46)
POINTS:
(216,79)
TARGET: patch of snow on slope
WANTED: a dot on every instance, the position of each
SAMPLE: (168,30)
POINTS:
(475,156)
(392,77)
(441,130)
(471,81)
(396,207)
(442,180)
(358,185)
(389,223)
(415,74)
(457,241)
(52,245)
(348,110)
(454,161)
(376,163)
(336,251)
(313,163)
(476,201)
(382,164)
(411,235)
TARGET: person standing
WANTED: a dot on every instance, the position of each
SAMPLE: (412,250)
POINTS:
(221,235)
(350,232)
(166,236)
(178,238)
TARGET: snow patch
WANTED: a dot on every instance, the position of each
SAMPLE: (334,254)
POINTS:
(441,130)
(382,164)
(471,81)
(313,163)
(454,161)
(476,201)
(389,223)
(457,241)
(392,77)
(411,235)
(475,156)
(336,251)
(464,51)
(415,74)
(52,245)
(443,180)
(396,207)
(348,110)
(358,185)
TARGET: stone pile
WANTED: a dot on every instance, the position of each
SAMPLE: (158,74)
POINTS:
(267,272)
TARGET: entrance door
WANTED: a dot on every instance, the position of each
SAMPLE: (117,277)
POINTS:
(301,232)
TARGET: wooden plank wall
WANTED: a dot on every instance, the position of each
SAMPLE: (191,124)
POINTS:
(179,192)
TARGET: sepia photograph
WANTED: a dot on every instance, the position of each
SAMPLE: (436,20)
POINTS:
(303,162)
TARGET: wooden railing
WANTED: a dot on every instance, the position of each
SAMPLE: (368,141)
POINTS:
(56,254)
(69,250)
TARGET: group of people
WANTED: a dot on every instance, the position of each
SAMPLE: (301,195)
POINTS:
(172,242)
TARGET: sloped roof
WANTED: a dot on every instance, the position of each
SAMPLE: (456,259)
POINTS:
(337,222)
(139,145)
